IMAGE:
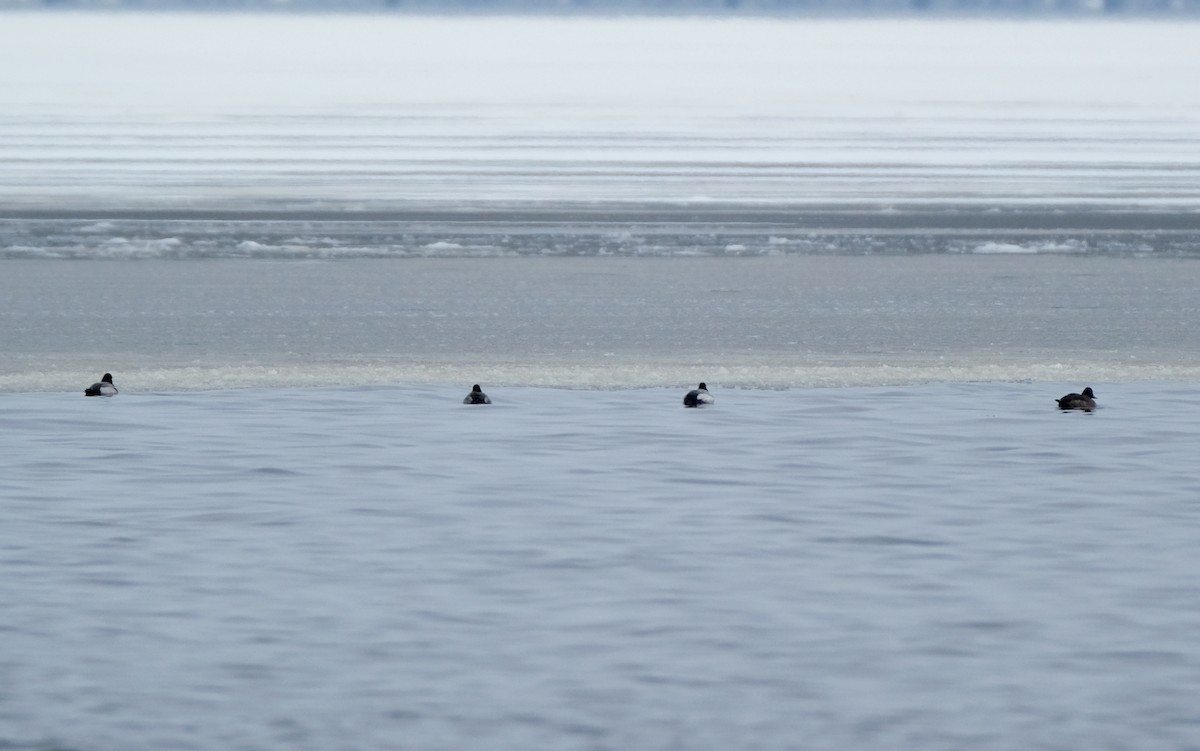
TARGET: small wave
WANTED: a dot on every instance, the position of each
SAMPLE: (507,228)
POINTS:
(884,540)
(42,745)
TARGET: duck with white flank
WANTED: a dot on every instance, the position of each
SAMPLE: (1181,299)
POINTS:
(104,388)
(477,396)
(1085,401)
(698,397)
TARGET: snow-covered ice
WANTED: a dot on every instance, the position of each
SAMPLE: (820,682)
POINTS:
(251,114)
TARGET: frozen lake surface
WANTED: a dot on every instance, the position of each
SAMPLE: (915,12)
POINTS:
(131,135)
(938,567)
(597,323)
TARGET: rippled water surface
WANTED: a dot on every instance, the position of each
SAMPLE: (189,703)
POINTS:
(929,567)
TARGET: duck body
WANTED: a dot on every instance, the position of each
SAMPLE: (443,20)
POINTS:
(1085,401)
(698,397)
(477,396)
(104,387)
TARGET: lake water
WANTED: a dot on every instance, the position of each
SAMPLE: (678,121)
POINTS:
(926,566)
(296,241)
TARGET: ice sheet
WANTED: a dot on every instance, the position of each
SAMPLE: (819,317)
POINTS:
(259,114)
(597,323)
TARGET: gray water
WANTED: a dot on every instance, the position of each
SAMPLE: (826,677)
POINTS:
(935,567)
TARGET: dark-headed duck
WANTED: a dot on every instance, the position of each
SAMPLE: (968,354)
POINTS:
(1085,401)
(104,388)
(477,396)
(698,397)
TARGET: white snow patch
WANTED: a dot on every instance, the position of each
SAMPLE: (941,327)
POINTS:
(1004,249)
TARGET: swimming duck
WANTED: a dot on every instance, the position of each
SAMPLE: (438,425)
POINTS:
(104,388)
(477,396)
(698,397)
(1085,401)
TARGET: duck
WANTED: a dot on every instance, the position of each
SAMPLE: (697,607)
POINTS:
(698,396)
(477,396)
(104,387)
(1085,401)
